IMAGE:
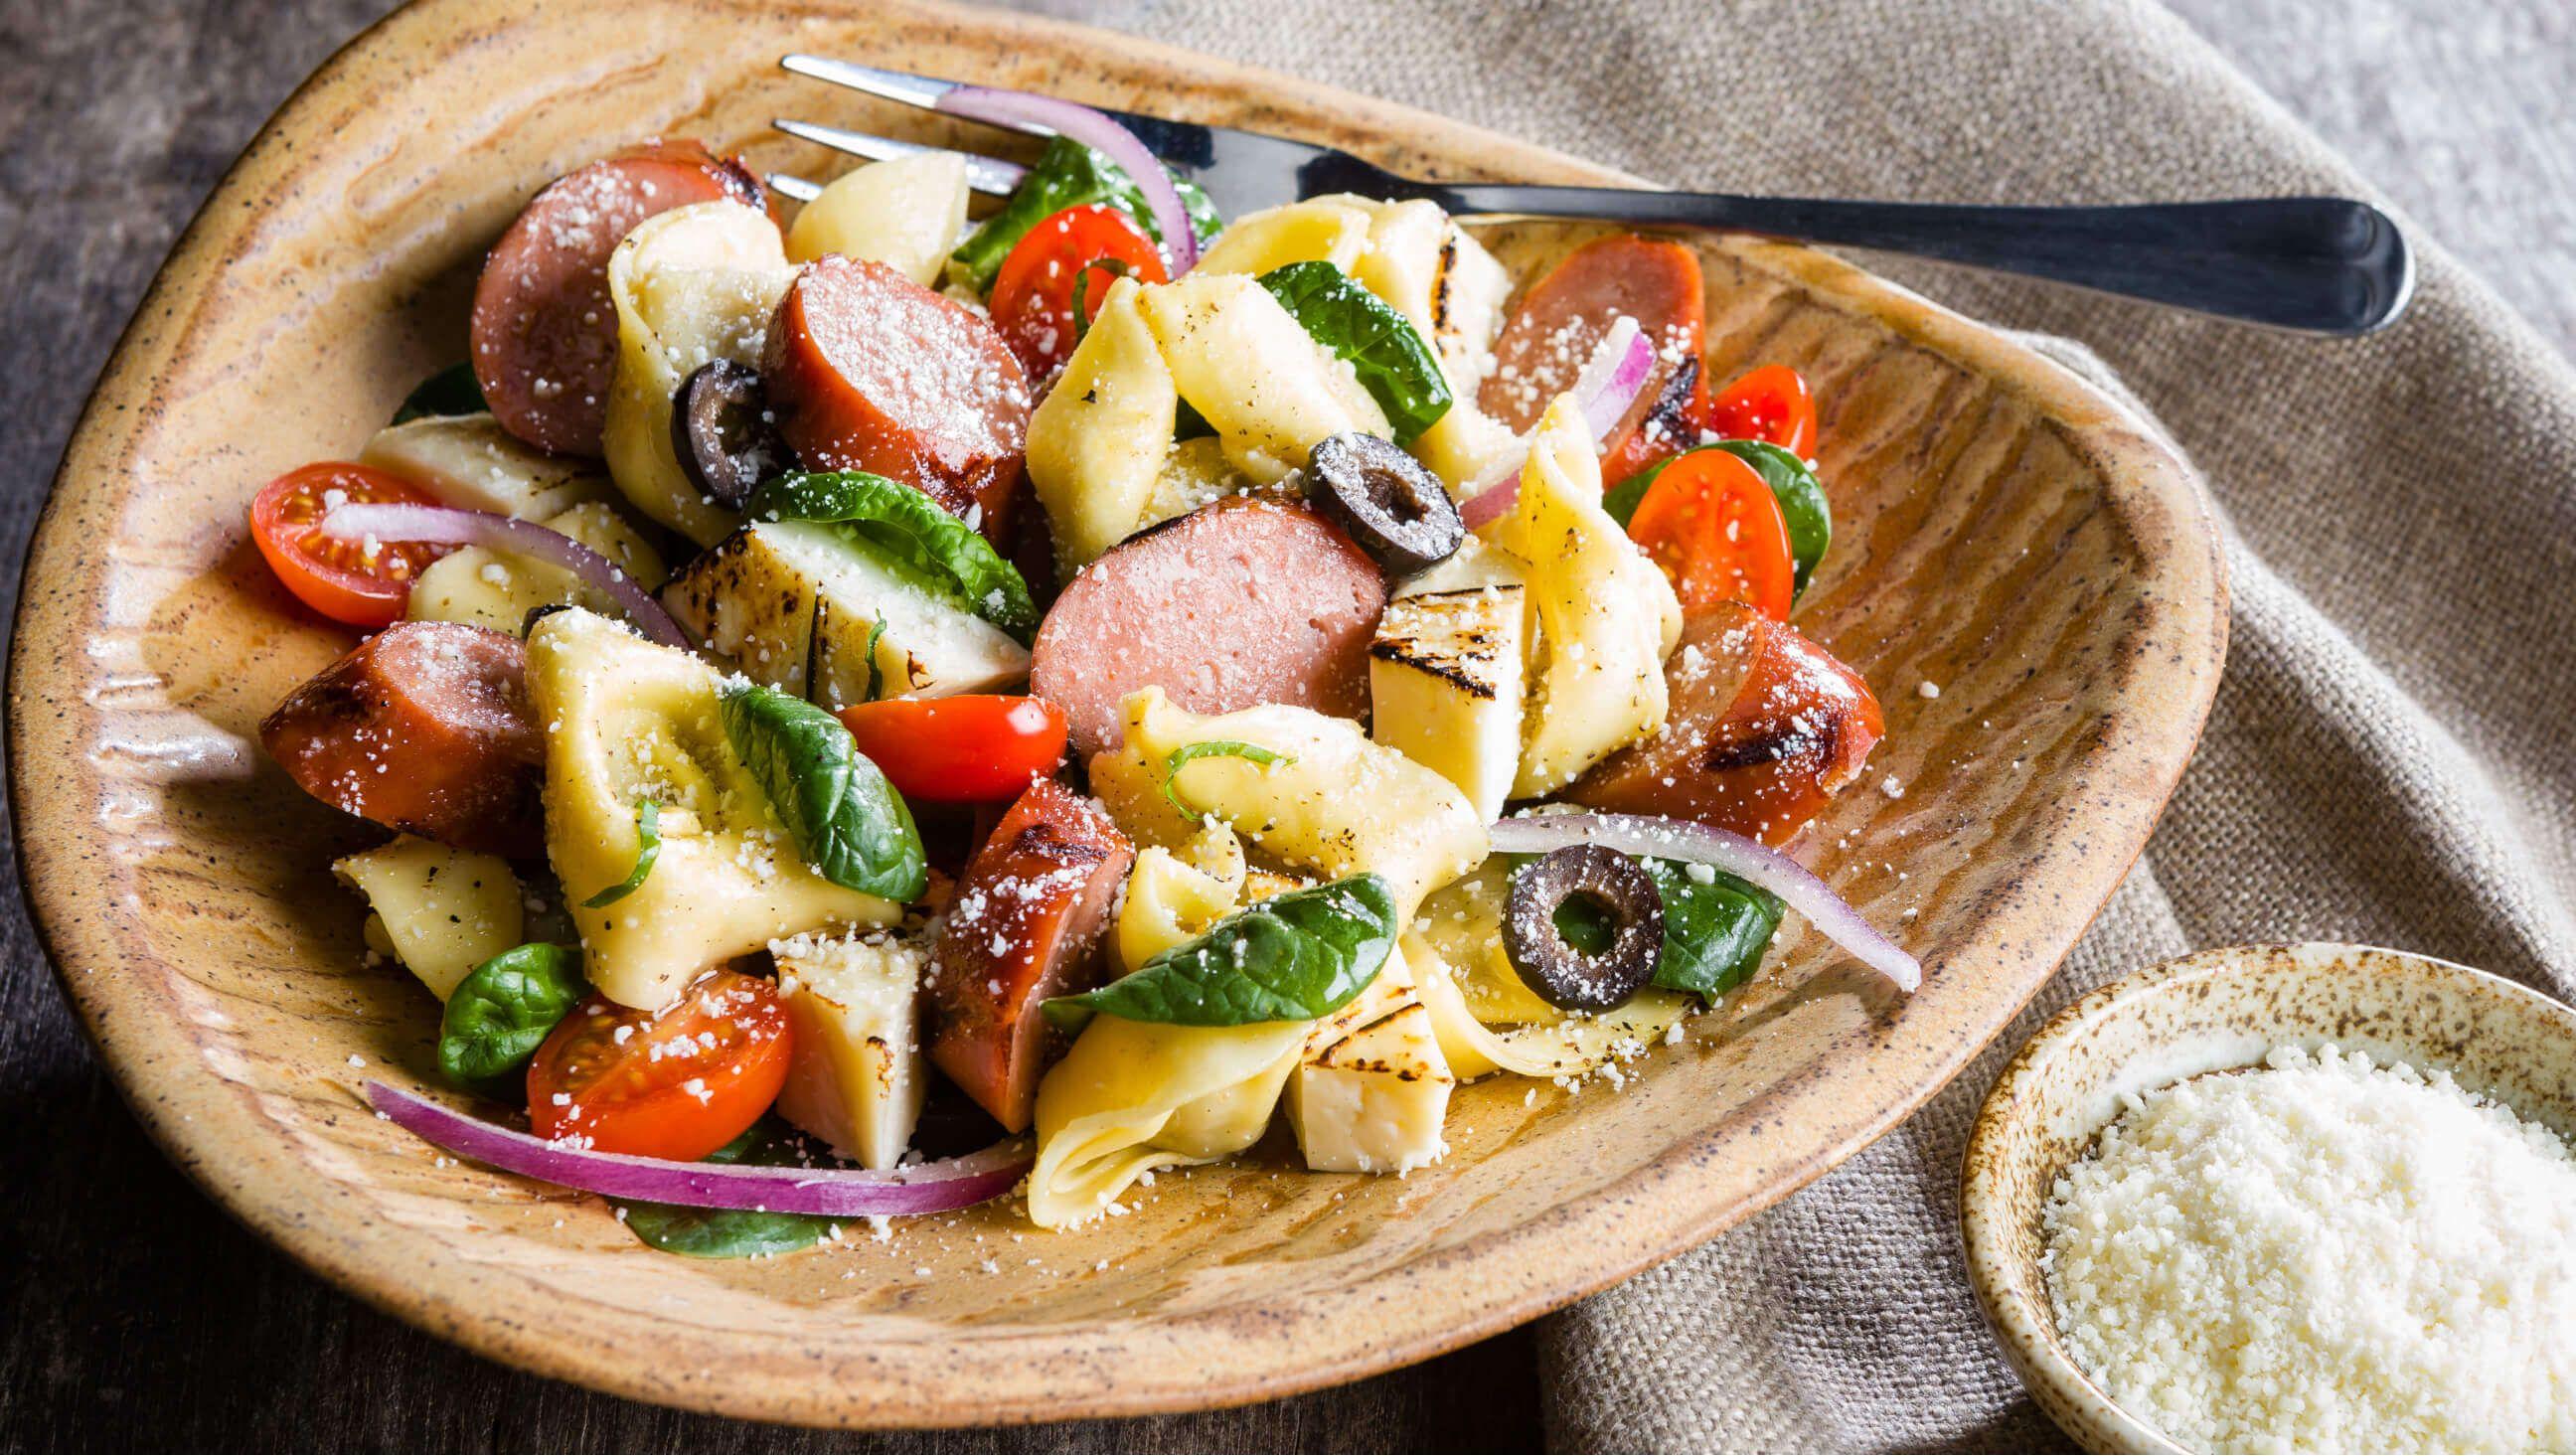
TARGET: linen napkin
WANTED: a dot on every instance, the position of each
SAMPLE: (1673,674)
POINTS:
(2390,758)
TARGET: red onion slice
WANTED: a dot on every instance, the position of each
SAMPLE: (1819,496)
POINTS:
(828,1192)
(1606,387)
(1682,839)
(452,526)
(1101,134)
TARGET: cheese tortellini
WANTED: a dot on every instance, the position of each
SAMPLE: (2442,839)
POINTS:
(1333,803)
(1097,442)
(1260,380)
(628,721)
(904,212)
(1607,617)
(691,286)
(442,911)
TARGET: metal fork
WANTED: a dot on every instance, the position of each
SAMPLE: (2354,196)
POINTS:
(2325,265)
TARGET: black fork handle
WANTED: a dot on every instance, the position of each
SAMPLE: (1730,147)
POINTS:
(2325,265)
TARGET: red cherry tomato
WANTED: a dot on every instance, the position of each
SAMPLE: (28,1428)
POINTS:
(1084,247)
(1771,403)
(348,581)
(1710,521)
(963,750)
(677,1083)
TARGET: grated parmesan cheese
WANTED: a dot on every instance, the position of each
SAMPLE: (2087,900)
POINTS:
(2324,1254)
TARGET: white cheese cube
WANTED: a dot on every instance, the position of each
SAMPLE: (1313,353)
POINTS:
(856,1075)
(1374,1102)
(795,605)
(1447,680)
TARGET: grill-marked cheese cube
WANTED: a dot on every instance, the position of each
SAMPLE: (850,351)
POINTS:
(470,461)
(856,1075)
(797,605)
(1374,1102)
(1447,676)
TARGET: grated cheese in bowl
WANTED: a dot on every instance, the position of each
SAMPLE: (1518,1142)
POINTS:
(2324,1254)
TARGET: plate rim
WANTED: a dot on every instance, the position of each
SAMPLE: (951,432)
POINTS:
(1521,1272)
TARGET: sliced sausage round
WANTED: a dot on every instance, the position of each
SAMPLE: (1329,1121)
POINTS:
(1244,601)
(1026,919)
(1554,327)
(868,370)
(544,340)
(424,728)
(1765,727)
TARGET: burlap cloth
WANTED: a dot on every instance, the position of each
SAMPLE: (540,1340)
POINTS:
(2389,759)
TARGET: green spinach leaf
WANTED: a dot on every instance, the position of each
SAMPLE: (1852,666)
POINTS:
(1068,174)
(1292,957)
(648,835)
(1383,348)
(451,391)
(1213,748)
(907,527)
(733,1233)
(1715,930)
(846,820)
(501,1012)
(1801,496)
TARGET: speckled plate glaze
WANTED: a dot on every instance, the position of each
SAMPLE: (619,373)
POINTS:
(2001,530)
(2216,1011)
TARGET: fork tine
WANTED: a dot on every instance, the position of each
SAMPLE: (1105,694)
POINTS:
(787,184)
(911,90)
(984,174)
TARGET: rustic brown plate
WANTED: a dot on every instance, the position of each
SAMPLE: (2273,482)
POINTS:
(2002,531)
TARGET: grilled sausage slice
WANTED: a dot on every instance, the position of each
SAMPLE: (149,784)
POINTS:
(1552,330)
(423,728)
(868,370)
(1765,727)
(1024,926)
(544,340)
(1243,601)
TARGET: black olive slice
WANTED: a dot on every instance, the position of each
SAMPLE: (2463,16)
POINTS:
(1612,884)
(1394,509)
(721,431)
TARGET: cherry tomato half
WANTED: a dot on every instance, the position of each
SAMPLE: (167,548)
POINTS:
(962,750)
(364,585)
(1084,247)
(1710,521)
(677,1083)
(1771,403)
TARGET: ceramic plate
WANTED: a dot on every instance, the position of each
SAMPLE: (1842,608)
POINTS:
(2002,531)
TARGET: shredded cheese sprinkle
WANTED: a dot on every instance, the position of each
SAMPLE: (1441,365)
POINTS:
(2324,1254)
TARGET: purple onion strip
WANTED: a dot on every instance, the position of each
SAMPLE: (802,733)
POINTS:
(826,1192)
(1682,839)
(1607,386)
(1101,134)
(454,526)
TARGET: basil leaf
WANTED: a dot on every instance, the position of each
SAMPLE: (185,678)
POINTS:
(1292,957)
(1068,174)
(1715,933)
(1213,748)
(451,391)
(648,834)
(1801,496)
(876,674)
(733,1233)
(1383,348)
(501,1012)
(908,528)
(846,820)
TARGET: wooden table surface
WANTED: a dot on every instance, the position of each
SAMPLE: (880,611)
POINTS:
(134,1316)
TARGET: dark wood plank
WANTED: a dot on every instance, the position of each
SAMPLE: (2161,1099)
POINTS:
(133,1315)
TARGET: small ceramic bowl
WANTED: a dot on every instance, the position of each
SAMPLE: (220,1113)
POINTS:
(2217,1011)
